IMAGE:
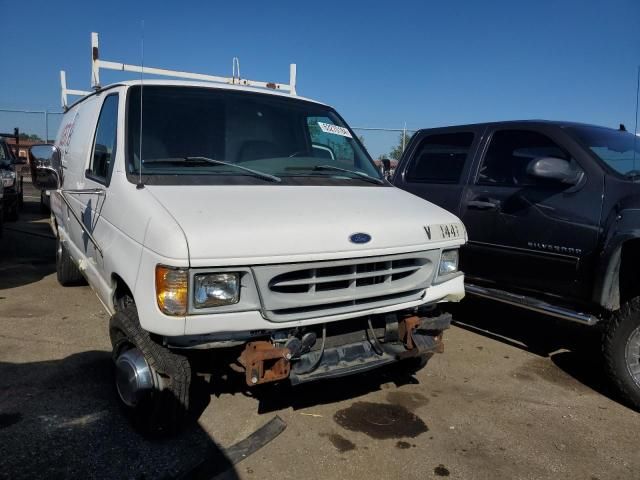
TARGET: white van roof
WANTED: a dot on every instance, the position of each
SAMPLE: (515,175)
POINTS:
(186,83)
(221,86)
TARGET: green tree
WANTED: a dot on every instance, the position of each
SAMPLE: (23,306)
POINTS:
(396,152)
(26,136)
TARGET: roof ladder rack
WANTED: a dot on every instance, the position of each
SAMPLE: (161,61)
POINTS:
(234,79)
(67,91)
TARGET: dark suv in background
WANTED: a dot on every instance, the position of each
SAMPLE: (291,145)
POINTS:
(552,211)
(12,179)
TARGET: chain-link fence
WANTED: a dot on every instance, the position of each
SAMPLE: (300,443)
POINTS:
(380,142)
(41,123)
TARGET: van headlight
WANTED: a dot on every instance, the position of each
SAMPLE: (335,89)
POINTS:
(216,289)
(448,262)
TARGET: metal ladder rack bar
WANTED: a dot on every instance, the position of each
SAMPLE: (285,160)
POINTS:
(97,64)
(67,91)
(234,79)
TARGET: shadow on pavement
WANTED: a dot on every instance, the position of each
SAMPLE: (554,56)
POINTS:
(573,348)
(280,396)
(277,397)
(62,419)
(27,248)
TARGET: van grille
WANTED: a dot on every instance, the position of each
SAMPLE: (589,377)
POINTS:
(298,291)
(325,279)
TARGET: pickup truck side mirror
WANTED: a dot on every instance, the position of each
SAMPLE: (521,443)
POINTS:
(552,168)
(46,167)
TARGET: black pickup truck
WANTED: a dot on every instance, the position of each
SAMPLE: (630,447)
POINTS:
(552,211)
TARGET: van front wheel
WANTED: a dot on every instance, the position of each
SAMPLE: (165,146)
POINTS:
(152,381)
(66,270)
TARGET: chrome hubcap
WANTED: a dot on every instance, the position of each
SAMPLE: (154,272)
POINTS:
(133,376)
(632,355)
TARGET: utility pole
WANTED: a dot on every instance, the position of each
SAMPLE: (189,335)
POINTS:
(404,136)
(635,131)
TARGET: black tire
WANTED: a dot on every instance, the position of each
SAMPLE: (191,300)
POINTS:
(67,271)
(43,206)
(620,331)
(165,408)
(15,212)
(415,364)
(11,211)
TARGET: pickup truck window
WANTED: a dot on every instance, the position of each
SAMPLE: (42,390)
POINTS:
(620,150)
(104,147)
(440,158)
(509,154)
(187,132)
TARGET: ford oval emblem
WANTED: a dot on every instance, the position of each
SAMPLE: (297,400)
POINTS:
(360,238)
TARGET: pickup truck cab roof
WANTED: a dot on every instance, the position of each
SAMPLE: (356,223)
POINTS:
(508,123)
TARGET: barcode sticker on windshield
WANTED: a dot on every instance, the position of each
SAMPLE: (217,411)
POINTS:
(334,129)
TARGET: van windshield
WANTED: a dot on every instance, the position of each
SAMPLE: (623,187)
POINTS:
(215,136)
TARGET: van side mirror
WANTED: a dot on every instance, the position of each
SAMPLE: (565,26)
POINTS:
(552,168)
(46,167)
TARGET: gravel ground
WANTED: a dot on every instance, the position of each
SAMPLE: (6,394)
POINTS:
(515,395)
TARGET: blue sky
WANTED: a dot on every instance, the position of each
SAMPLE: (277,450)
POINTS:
(379,63)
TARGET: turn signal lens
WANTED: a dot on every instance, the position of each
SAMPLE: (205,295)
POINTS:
(171,290)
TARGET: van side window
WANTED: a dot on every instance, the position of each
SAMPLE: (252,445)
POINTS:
(509,154)
(104,147)
(440,158)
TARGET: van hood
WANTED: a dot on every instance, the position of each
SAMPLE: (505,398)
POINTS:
(250,225)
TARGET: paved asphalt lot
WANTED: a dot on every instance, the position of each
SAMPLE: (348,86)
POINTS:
(514,396)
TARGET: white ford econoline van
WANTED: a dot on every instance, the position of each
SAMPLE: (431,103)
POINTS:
(243,219)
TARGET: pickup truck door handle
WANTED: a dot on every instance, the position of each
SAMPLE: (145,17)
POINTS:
(484,204)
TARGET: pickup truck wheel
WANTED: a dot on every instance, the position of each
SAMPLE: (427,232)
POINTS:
(152,381)
(67,271)
(621,348)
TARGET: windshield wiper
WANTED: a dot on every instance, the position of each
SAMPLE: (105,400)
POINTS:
(362,175)
(255,173)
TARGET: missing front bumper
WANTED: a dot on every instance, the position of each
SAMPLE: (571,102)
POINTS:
(347,350)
